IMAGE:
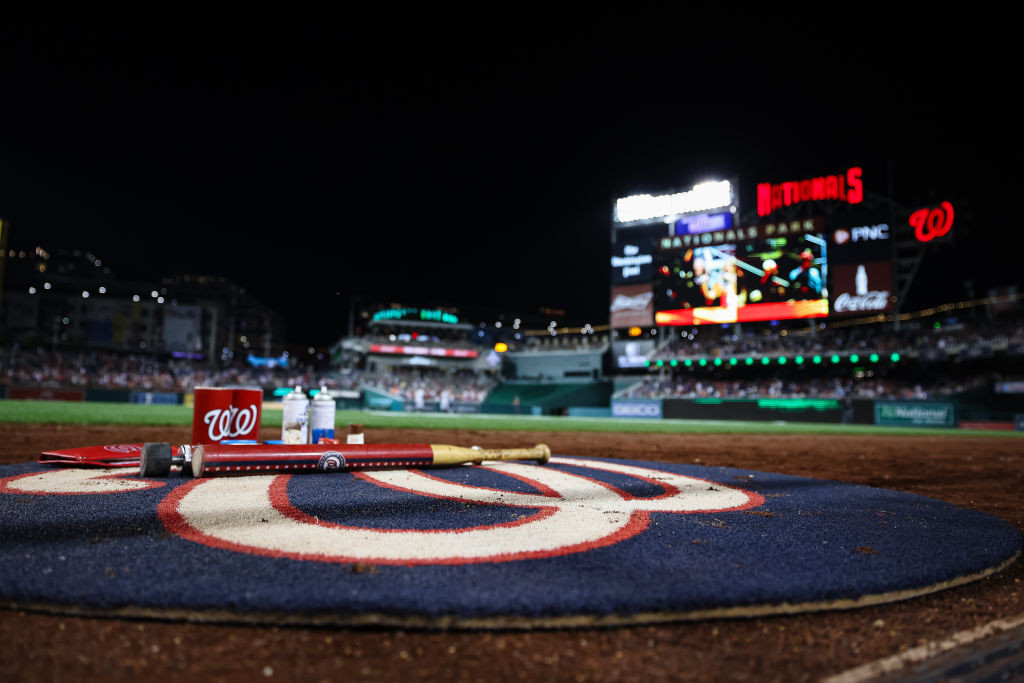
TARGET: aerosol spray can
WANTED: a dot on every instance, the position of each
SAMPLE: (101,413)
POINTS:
(321,416)
(295,421)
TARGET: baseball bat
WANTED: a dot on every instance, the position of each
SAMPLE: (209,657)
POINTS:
(216,459)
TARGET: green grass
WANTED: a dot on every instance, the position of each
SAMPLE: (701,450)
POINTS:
(61,412)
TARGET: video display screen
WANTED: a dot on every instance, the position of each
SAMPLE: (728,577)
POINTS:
(769,278)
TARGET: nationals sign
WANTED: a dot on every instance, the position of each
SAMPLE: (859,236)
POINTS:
(846,187)
(574,541)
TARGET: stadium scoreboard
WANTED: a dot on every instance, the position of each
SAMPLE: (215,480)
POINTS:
(685,258)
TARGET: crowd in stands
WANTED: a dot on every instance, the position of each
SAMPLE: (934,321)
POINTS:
(711,341)
(393,334)
(867,388)
(417,385)
(924,344)
(105,370)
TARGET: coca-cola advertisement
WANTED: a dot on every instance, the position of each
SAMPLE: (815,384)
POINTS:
(225,414)
(632,305)
(861,288)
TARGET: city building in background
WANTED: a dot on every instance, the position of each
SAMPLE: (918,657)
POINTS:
(71,300)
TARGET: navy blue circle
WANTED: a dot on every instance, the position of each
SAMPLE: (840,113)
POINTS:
(811,542)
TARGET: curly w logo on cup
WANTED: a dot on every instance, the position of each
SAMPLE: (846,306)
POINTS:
(220,413)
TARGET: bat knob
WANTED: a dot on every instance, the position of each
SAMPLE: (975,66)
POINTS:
(545,453)
(155,460)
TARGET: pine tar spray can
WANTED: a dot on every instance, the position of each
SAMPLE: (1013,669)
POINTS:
(321,416)
(295,421)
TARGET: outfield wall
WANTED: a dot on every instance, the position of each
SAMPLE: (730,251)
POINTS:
(940,414)
(590,400)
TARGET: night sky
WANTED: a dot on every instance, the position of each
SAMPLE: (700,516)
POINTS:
(435,163)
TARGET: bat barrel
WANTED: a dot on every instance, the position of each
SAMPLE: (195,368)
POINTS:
(457,455)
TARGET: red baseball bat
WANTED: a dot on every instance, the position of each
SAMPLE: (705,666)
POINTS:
(157,459)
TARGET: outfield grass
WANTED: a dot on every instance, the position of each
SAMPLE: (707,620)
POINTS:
(70,412)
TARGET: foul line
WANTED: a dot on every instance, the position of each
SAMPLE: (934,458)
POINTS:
(916,655)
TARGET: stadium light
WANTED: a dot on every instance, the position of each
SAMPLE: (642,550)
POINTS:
(835,358)
(687,362)
(660,363)
(765,360)
(816,359)
(750,361)
(732,361)
(718,361)
(703,362)
(854,358)
(673,362)
(895,357)
(873,358)
(799,360)
(782,360)
(701,197)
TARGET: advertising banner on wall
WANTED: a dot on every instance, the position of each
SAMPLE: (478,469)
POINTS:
(862,272)
(632,353)
(635,408)
(915,414)
(632,306)
(862,289)
(632,259)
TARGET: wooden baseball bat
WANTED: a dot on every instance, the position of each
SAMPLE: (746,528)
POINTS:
(216,459)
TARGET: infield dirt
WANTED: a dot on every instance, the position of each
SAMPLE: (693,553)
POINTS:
(982,473)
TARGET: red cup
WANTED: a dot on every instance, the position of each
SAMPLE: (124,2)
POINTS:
(211,414)
(222,414)
(247,404)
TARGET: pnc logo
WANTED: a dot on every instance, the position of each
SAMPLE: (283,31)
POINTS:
(862,233)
